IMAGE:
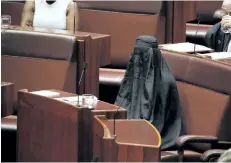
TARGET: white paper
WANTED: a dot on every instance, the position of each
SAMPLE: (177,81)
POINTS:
(184,47)
(218,55)
(70,99)
(229,47)
(46,93)
(74,99)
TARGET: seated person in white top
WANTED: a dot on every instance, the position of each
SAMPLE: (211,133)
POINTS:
(50,14)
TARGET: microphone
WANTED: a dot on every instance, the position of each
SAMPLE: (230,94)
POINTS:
(119,106)
(198,23)
(84,67)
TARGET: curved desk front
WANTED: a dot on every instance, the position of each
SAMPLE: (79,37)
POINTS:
(134,140)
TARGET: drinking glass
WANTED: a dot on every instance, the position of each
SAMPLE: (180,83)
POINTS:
(226,29)
(88,100)
(6,21)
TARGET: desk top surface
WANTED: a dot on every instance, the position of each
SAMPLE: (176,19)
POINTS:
(99,105)
(186,47)
(61,32)
(224,57)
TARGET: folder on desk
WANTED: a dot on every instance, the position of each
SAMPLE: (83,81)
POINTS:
(185,47)
(218,55)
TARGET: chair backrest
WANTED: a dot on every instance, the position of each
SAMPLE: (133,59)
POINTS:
(149,7)
(124,21)
(205,94)
(208,7)
(33,60)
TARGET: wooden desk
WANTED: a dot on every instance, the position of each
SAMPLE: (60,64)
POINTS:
(7,101)
(128,144)
(56,131)
(91,48)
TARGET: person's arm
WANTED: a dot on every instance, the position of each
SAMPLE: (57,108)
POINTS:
(210,37)
(28,14)
(71,9)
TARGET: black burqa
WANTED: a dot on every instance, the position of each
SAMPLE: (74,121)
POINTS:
(149,90)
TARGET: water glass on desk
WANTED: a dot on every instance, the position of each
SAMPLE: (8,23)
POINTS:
(88,100)
(6,21)
(226,29)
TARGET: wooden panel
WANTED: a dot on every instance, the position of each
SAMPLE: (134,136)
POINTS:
(127,145)
(183,12)
(124,28)
(7,94)
(47,130)
(177,14)
(208,7)
(36,74)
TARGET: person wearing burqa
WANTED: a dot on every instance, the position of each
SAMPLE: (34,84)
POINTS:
(149,91)
(216,37)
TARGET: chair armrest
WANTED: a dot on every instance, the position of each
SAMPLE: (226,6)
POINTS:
(211,154)
(182,141)
(186,139)
(222,145)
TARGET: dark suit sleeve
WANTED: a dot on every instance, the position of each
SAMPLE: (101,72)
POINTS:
(210,37)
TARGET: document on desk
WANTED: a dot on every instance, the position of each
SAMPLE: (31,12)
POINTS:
(46,93)
(185,47)
(74,99)
(218,55)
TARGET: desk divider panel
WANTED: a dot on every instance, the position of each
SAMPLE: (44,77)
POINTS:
(134,140)
(47,130)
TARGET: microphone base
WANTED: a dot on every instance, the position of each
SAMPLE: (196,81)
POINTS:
(79,106)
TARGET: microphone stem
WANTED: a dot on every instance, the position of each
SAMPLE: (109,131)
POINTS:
(120,106)
(194,50)
(80,80)
(116,115)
